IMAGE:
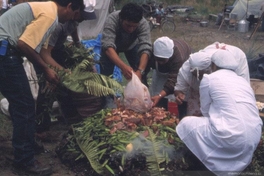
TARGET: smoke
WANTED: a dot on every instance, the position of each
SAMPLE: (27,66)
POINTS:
(141,146)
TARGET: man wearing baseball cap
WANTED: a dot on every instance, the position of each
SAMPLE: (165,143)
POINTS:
(56,53)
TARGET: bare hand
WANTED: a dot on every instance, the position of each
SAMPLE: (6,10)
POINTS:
(179,97)
(138,73)
(48,88)
(51,76)
(127,72)
(155,100)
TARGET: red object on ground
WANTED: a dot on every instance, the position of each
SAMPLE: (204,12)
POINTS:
(173,108)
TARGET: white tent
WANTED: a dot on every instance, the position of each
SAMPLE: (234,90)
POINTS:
(244,8)
(91,28)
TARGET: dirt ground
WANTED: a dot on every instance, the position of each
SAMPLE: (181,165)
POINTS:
(198,37)
(48,156)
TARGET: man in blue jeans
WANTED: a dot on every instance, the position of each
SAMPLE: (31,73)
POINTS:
(24,29)
(128,32)
(56,51)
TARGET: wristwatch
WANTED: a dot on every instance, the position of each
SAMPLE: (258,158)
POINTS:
(141,71)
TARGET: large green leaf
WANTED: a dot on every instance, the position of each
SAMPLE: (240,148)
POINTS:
(83,81)
(91,150)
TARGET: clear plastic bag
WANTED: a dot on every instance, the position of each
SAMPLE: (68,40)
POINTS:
(137,96)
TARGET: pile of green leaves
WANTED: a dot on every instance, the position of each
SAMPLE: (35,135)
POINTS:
(90,147)
(75,55)
(108,154)
(81,78)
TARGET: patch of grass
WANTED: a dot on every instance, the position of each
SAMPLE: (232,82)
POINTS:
(253,51)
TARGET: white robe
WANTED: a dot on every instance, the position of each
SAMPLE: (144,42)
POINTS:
(228,134)
(240,56)
(189,84)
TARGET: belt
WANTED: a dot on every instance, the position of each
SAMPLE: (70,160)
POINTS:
(11,50)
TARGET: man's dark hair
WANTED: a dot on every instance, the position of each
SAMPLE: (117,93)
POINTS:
(76,4)
(131,12)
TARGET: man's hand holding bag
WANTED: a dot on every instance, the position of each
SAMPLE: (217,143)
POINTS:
(137,96)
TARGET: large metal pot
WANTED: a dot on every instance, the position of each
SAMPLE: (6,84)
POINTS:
(243,26)
(204,23)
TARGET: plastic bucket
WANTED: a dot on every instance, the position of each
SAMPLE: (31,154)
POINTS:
(173,107)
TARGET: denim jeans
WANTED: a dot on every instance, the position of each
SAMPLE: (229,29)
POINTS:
(15,87)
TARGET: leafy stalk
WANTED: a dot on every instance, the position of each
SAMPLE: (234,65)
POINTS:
(154,156)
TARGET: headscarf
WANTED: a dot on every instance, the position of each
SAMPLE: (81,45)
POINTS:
(200,61)
(163,47)
(211,49)
(225,59)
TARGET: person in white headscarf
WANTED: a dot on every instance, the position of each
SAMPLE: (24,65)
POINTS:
(186,90)
(168,57)
(225,138)
(239,55)
(187,83)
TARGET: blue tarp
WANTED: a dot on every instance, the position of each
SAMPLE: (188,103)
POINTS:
(96,45)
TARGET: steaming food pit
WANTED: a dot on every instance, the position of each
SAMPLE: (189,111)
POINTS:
(116,140)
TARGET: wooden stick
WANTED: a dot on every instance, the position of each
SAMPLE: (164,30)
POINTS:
(223,20)
(221,23)
(257,26)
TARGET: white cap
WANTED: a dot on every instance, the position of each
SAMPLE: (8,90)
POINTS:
(163,47)
(199,61)
(89,5)
(225,59)
(88,12)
